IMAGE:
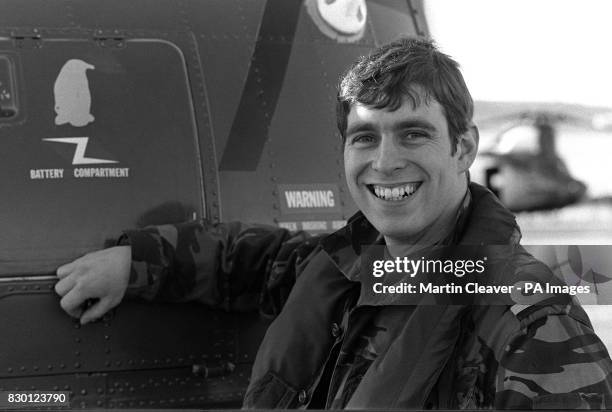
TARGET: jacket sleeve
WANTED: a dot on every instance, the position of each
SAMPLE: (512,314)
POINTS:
(232,266)
(556,362)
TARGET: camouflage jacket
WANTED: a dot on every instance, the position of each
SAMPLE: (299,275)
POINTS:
(541,356)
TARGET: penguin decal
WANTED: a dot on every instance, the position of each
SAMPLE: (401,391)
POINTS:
(72,96)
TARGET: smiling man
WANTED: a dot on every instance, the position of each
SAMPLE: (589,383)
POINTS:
(404,170)
(405,116)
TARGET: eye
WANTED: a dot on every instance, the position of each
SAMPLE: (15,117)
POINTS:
(415,135)
(362,139)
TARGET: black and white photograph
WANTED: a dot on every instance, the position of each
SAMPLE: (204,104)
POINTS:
(305,204)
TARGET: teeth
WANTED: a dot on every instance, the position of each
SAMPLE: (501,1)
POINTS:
(411,187)
(395,193)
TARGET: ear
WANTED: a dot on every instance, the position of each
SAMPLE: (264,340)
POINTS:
(467,147)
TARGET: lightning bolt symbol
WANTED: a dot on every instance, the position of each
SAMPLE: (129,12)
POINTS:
(79,154)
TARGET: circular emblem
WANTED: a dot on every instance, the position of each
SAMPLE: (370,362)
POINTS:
(342,20)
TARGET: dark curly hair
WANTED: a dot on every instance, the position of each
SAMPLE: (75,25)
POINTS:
(388,75)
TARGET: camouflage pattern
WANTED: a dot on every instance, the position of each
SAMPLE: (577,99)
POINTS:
(551,360)
(540,356)
(233,266)
(557,362)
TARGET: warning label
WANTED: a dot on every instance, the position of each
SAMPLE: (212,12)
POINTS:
(309,198)
(314,226)
(80,173)
(101,172)
(79,158)
(46,173)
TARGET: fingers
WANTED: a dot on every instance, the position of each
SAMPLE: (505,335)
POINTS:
(66,269)
(65,285)
(101,276)
(72,301)
(96,311)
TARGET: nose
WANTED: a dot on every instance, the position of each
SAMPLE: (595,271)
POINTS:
(388,157)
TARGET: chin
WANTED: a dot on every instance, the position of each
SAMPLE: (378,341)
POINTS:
(390,229)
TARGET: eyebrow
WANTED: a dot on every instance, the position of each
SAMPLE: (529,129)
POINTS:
(406,124)
(360,127)
(421,124)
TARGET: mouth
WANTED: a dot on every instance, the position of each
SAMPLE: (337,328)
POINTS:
(394,193)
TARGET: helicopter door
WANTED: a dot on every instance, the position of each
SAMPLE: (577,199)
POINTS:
(99,136)
(95,139)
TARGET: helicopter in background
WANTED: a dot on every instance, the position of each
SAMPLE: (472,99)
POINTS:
(521,163)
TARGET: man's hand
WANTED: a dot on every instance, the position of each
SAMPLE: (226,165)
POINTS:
(102,276)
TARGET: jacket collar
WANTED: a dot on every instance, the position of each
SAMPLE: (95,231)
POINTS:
(484,222)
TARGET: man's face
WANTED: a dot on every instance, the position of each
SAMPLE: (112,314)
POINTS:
(400,170)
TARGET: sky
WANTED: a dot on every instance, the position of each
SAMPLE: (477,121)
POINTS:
(529,50)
